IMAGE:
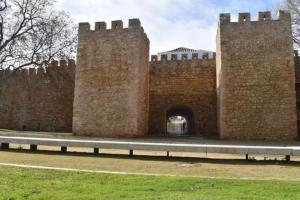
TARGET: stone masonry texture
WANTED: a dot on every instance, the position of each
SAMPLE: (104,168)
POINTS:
(187,83)
(111,87)
(38,99)
(256,78)
(248,92)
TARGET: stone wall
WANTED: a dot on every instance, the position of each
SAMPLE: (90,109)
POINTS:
(111,90)
(249,95)
(297,75)
(186,83)
(38,100)
(255,78)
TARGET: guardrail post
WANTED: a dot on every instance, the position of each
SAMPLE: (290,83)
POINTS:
(33,147)
(131,152)
(287,158)
(247,156)
(5,146)
(63,149)
(96,150)
(168,154)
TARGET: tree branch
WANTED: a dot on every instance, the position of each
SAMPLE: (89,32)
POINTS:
(35,34)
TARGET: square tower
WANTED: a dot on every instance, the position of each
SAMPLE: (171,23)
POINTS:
(256,78)
(111,84)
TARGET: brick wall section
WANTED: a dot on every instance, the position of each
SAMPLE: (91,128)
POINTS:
(255,78)
(297,75)
(297,67)
(38,100)
(189,83)
(111,91)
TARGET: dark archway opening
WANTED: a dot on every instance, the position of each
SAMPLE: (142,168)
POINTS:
(180,121)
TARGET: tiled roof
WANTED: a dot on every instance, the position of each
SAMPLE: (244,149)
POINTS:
(183,49)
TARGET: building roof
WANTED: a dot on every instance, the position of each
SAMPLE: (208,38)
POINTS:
(183,49)
(186,53)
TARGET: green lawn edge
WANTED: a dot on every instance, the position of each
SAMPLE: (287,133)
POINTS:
(33,184)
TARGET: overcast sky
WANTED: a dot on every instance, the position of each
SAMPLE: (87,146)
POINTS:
(168,23)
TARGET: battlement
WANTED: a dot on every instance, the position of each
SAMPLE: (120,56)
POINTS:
(250,81)
(124,72)
(225,18)
(174,66)
(62,65)
(115,25)
(184,57)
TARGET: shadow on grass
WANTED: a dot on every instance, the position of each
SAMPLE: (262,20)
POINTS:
(192,160)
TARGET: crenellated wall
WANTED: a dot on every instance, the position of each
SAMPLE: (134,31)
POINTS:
(38,99)
(247,90)
(183,83)
(111,90)
(183,56)
(256,78)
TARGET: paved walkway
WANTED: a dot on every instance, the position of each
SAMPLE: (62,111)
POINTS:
(113,172)
(233,167)
(77,170)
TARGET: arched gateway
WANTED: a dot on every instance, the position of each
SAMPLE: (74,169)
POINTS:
(180,121)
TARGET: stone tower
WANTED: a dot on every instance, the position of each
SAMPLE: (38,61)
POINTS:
(111,84)
(255,78)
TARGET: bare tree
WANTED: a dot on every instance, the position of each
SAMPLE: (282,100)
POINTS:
(32,33)
(3,5)
(294,7)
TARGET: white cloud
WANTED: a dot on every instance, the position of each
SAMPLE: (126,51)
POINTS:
(168,23)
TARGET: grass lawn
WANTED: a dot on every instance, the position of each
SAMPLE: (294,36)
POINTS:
(17,183)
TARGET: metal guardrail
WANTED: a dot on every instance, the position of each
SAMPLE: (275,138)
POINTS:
(287,151)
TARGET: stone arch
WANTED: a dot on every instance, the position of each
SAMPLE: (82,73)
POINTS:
(184,112)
